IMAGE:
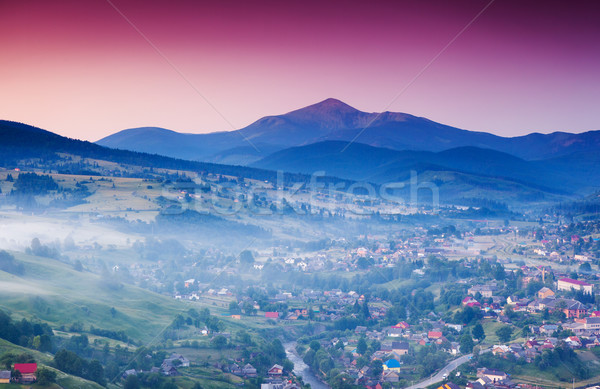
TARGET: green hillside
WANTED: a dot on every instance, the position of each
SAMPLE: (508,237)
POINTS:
(51,291)
(63,380)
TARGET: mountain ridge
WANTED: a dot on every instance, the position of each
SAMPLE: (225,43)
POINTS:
(332,119)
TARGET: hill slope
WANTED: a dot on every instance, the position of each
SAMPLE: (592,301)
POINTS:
(356,161)
(20,141)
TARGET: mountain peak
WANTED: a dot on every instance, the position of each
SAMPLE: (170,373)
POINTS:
(327,106)
(333,104)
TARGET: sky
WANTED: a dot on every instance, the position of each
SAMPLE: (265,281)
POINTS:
(86,69)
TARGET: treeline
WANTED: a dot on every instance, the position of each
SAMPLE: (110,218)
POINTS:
(20,141)
(116,335)
(33,184)
(71,363)
(9,264)
(38,336)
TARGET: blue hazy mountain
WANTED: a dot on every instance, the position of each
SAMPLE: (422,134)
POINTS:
(332,119)
(574,173)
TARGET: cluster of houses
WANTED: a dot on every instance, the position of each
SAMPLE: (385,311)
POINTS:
(167,368)
(275,377)
(486,379)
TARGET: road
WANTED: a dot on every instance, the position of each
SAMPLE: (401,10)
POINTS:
(439,376)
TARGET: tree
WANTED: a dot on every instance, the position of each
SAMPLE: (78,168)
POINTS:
(585,268)
(219,342)
(131,382)
(361,347)
(78,266)
(95,372)
(504,333)
(46,376)
(315,345)
(365,309)
(466,343)
(376,368)
(478,332)
(234,308)
(246,257)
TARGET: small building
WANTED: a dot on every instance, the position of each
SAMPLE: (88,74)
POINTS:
(5,376)
(545,292)
(434,334)
(492,374)
(272,315)
(28,372)
(249,371)
(400,348)
(449,385)
(392,364)
(275,371)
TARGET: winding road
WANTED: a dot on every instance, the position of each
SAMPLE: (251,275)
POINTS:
(439,376)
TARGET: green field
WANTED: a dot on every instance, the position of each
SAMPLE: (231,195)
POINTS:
(51,291)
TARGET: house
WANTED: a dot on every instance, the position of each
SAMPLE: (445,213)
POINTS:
(129,372)
(169,370)
(455,327)
(568,284)
(234,368)
(592,323)
(401,348)
(392,364)
(276,370)
(272,315)
(449,385)
(571,308)
(28,372)
(4,376)
(434,334)
(272,385)
(183,361)
(390,376)
(249,371)
(492,374)
(484,290)
(545,292)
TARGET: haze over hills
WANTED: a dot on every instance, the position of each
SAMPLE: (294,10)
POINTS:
(568,174)
(332,119)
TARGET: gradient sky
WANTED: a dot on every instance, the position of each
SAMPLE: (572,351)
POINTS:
(81,69)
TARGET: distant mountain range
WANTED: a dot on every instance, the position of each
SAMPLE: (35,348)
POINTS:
(355,146)
(562,175)
(332,119)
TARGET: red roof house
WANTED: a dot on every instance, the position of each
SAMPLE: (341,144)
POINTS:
(272,315)
(434,334)
(27,371)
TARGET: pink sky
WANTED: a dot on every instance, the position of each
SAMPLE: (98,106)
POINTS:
(78,68)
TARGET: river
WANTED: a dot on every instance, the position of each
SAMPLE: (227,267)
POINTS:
(301,369)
